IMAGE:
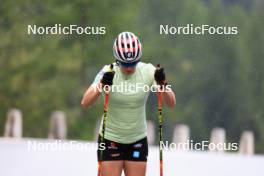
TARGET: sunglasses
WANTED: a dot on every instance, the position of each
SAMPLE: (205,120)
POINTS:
(128,65)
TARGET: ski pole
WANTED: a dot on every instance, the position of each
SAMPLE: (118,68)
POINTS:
(103,126)
(160,118)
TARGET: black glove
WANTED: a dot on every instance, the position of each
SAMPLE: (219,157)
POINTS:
(108,77)
(160,76)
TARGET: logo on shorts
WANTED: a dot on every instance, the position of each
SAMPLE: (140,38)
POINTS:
(136,154)
(139,145)
(112,146)
(115,155)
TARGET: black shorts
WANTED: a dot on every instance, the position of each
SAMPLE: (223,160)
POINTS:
(113,151)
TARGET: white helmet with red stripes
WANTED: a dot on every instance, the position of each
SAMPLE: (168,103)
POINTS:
(127,48)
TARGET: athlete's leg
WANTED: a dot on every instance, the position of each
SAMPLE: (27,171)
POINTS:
(112,168)
(136,158)
(112,158)
(135,168)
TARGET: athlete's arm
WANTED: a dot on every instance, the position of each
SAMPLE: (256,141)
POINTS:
(102,79)
(91,95)
(169,98)
(168,95)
